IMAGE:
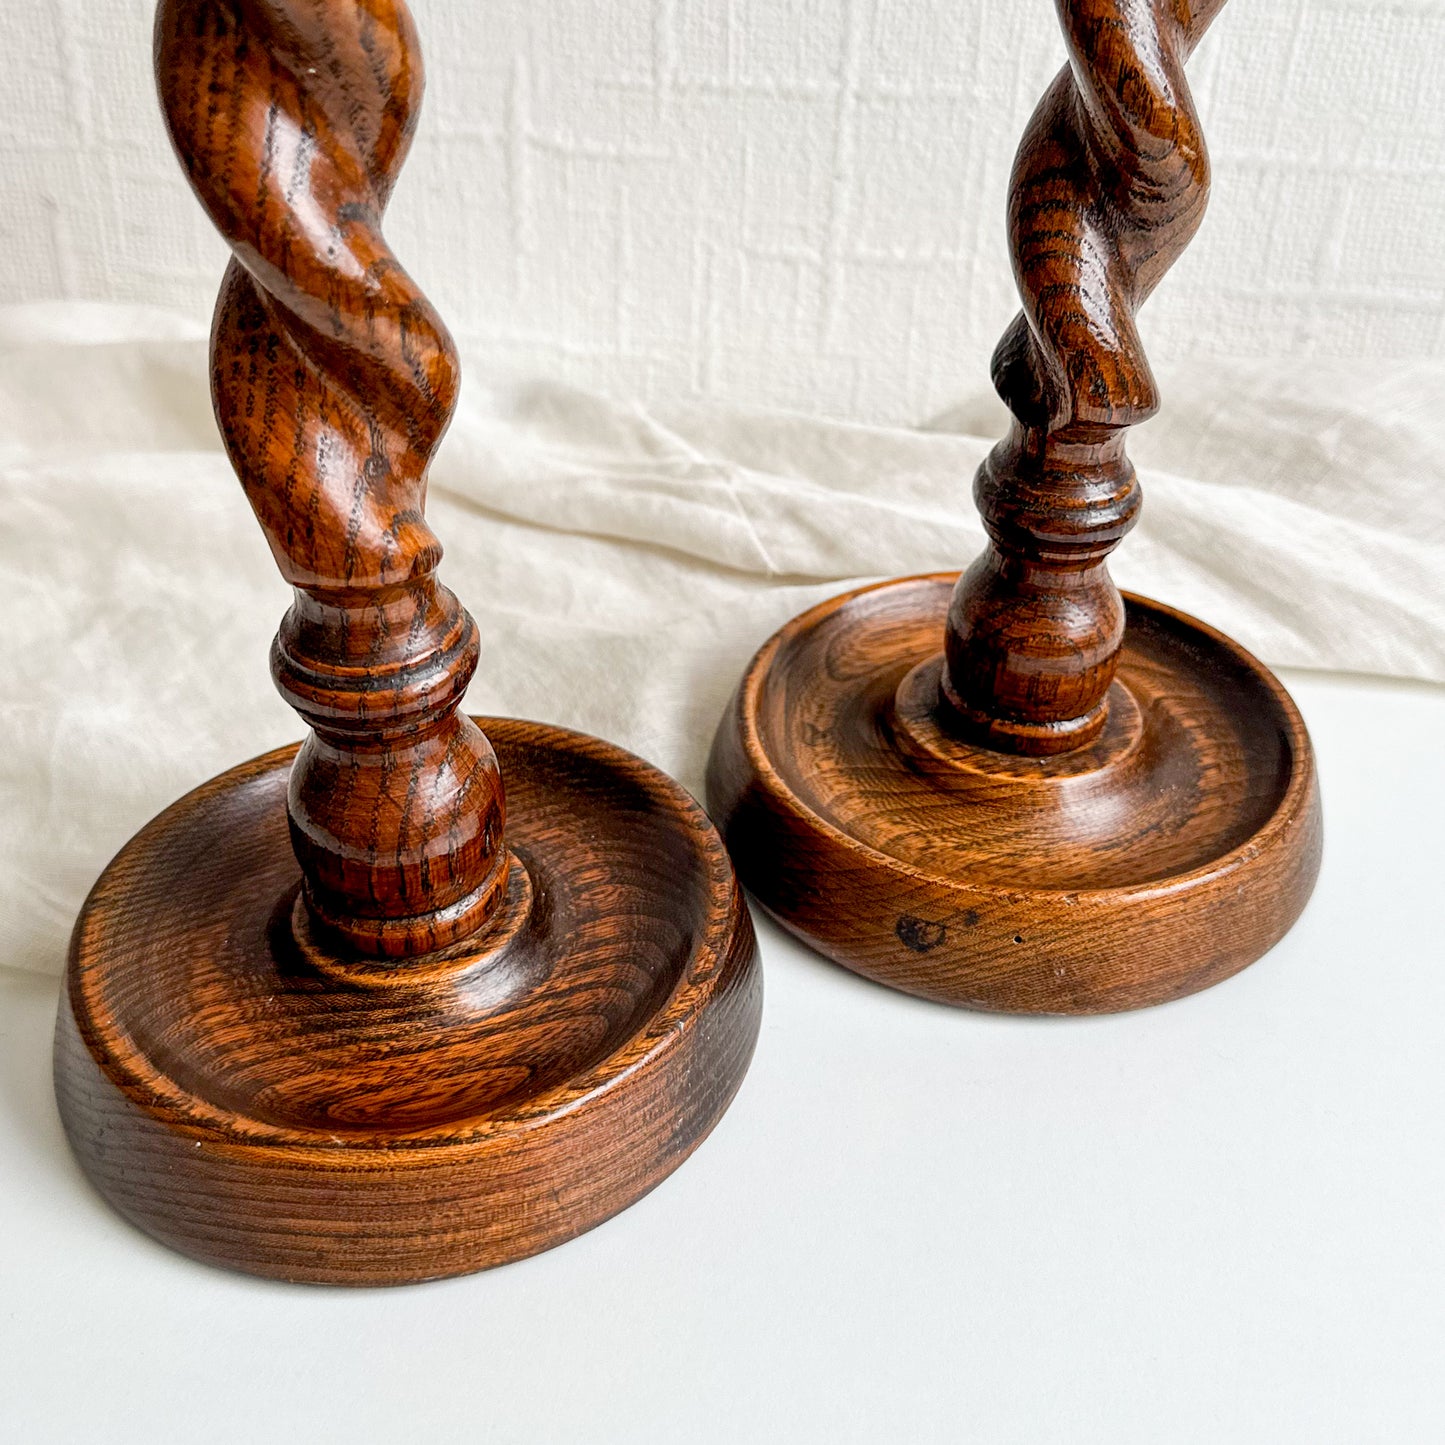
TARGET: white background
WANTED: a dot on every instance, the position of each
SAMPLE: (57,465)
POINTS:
(790,202)
(1212,1223)
(1218,1221)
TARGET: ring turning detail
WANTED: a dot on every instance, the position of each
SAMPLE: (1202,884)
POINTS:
(1018,789)
(1108,188)
(334,381)
(341,1015)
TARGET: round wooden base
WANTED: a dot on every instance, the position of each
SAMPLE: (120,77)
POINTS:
(1172,851)
(254,1101)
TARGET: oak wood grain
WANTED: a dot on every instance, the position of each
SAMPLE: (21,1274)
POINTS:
(349,1013)
(1016,789)
(1176,848)
(251,1099)
(334,380)
(1108,188)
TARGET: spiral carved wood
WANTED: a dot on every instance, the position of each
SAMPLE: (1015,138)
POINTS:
(1109,185)
(333,382)
(454,1053)
(1161,829)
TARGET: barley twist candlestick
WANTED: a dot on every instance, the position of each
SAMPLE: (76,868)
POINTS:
(334,1017)
(1109,186)
(1082,802)
(333,381)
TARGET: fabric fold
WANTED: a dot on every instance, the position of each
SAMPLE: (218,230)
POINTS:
(622,562)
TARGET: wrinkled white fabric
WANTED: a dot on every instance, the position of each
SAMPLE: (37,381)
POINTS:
(622,563)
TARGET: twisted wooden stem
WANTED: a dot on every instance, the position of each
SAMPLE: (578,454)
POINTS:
(1109,186)
(333,381)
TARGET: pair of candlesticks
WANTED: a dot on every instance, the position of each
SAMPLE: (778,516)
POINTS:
(428,994)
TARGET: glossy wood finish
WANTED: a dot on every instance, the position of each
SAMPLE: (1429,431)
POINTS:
(334,380)
(1031,795)
(1108,187)
(347,1014)
(248,1098)
(1166,855)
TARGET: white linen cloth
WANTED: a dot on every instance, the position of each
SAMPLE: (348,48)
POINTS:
(622,563)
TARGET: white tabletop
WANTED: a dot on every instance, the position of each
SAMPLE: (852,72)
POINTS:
(1219,1220)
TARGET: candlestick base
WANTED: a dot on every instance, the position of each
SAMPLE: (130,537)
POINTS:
(253,1099)
(1167,854)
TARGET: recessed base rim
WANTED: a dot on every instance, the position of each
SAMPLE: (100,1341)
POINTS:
(393,1204)
(1001,945)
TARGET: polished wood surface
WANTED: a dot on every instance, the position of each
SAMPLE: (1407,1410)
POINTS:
(1109,186)
(1030,794)
(247,1097)
(350,1013)
(1166,855)
(334,380)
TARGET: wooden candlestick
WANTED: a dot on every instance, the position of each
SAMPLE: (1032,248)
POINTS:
(343,1014)
(1083,802)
